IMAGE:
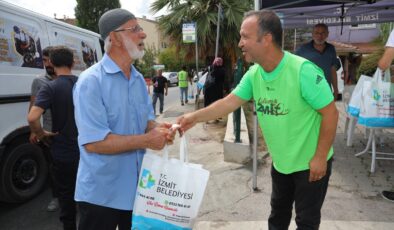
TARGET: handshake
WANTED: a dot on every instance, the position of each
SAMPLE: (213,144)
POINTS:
(161,134)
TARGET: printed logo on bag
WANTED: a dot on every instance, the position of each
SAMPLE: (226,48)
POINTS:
(318,79)
(169,188)
(147,180)
(376,95)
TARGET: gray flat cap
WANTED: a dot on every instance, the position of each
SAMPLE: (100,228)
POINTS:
(112,20)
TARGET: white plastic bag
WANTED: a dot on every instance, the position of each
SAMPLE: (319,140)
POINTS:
(201,82)
(377,101)
(191,91)
(169,192)
(355,100)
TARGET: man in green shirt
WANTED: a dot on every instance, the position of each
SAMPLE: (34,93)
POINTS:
(297,115)
(183,84)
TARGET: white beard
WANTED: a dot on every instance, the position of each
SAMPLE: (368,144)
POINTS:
(319,43)
(132,49)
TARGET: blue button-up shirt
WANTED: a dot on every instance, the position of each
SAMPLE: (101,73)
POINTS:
(107,102)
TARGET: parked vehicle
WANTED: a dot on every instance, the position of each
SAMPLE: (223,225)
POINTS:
(172,77)
(23,35)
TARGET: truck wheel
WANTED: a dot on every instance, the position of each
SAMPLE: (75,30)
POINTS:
(24,171)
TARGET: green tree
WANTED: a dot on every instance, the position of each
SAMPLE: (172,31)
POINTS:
(174,59)
(170,59)
(88,12)
(204,13)
(370,62)
(145,65)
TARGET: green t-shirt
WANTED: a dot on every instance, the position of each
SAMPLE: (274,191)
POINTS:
(286,102)
(182,78)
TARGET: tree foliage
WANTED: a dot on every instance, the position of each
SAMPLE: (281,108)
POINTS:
(204,13)
(145,65)
(174,59)
(370,62)
(88,12)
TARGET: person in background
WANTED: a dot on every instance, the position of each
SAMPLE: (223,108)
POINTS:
(116,125)
(213,88)
(57,95)
(183,80)
(297,115)
(160,89)
(384,64)
(37,84)
(353,65)
(323,54)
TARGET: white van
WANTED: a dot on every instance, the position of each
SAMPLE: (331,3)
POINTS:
(23,36)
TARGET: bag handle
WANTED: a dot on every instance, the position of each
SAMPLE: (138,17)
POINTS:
(183,154)
(165,152)
(382,75)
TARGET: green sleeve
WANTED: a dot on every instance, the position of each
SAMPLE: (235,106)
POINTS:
(244,89)
(314,87)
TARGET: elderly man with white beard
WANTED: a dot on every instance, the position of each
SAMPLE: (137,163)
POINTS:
(115,122)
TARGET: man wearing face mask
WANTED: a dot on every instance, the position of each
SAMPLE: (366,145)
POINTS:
(322,54)
(115,121)
(37,84)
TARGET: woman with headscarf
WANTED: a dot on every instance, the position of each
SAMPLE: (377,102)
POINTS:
(213,88)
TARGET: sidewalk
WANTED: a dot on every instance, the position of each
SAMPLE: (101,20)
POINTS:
(353,200)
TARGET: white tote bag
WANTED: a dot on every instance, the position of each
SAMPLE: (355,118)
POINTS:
(201,82)
(169,192)
(355,100)
(191,91)
(377,101)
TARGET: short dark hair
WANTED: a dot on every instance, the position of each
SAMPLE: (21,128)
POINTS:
(322,25)
(46,51)
(61,56)
(269,22)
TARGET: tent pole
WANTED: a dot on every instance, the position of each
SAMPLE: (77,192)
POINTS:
(254,177)
(295,39)
(256,4)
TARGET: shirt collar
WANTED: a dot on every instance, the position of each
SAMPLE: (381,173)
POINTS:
(111,67)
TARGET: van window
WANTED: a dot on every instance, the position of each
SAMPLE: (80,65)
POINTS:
(20,42)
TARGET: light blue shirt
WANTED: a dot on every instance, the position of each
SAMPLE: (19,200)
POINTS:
(107,102)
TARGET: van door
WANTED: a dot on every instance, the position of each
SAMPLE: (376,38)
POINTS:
(85,46)
(23,166)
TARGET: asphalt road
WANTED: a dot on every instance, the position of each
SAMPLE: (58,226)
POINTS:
(31,215)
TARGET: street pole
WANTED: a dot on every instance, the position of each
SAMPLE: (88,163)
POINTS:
(198,77)
(256,4)
(218,30)
(254,179)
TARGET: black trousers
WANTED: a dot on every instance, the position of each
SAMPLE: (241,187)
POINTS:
(95,217)
(51,178)
(65,174)
(307,196)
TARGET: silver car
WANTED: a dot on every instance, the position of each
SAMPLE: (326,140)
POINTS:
(172,77)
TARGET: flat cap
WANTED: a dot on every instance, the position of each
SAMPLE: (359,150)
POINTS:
(113,19)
